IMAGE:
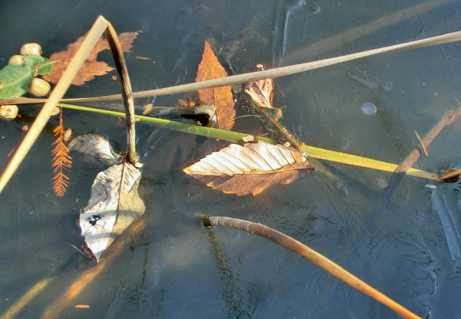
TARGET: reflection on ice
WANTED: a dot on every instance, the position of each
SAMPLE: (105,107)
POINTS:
(446,210)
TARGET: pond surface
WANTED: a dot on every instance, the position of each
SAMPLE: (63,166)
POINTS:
(175,268)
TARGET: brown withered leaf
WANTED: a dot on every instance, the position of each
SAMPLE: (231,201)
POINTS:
(90,67)
(262,92)
(249,169)
(210,68)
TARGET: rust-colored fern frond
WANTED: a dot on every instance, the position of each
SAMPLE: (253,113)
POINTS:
(61,161)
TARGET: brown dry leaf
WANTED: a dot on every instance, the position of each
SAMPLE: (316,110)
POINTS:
(262,92)
(90,67)
(249,169)
(221,97)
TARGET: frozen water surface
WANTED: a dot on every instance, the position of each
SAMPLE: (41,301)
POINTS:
(175,268)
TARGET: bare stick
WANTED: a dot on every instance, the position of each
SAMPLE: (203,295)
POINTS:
(93,36)
(421,144)
(254,76)
(309,254)
(125,88)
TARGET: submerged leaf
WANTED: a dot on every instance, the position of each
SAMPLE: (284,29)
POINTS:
(221,97)
(16,78)
(249,169)
(90,67)
(96,146)
(113,206)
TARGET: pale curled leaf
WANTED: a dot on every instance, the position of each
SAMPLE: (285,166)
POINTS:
(113,206)
(96,146)
(262,92)
(249,169)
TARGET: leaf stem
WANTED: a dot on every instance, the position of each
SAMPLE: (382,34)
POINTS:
(125,88)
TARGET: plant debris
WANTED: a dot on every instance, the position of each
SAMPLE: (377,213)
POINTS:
(16,78)
(61,161)
(221,97)
(114,203)
(90,67)
(249,169)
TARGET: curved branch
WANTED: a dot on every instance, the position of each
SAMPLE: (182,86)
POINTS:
(309,254)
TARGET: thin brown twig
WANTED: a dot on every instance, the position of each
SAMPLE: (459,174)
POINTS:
(421,144)
(447,118)
(314,257)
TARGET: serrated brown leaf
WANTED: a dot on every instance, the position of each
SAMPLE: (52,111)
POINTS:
(262,92)
(221,97)
(249,169)
(90,67)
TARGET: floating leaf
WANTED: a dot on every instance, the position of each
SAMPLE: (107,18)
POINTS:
(114,203)
(16,78)
(96,146)
(262,92)
(113,206)
(249,169)
(90,67)
(221,97)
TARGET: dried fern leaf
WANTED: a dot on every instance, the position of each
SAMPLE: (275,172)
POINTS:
(61,161)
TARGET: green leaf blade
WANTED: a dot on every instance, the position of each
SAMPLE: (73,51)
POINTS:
(17,77)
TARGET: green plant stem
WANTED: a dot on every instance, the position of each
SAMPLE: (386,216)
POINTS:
(236,137)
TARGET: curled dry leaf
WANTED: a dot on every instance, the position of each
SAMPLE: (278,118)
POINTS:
(221,97)
(90,67)
(113,206)
(249,169)
(96,146)
(262,92)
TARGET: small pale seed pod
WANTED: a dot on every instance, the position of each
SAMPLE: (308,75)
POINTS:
(67,135)
(56,111)
(8,112)
(31,49)
(17,60)
(39,87)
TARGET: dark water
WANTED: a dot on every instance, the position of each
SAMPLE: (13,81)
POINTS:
(175,268)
